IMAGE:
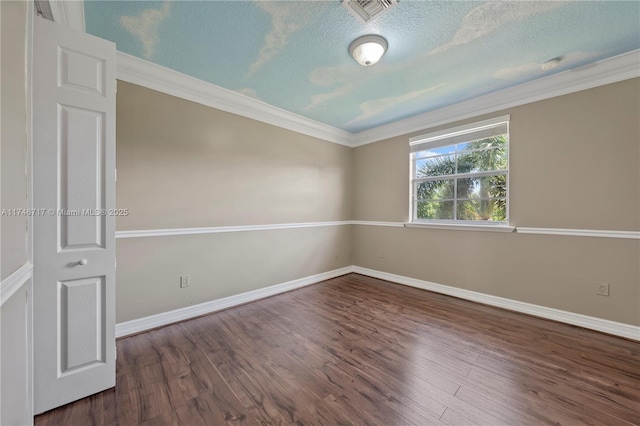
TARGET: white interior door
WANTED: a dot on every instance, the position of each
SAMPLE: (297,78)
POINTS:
(73,233)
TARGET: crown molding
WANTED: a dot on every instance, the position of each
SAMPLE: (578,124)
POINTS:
(606,71)
(144,73)
(69,13)
(147,74)
(152,76)
(156,77)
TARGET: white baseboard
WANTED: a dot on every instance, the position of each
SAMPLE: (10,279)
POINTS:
(158,320)
(13,282)
(585,321)
(147,323)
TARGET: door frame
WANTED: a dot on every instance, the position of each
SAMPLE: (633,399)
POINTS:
(31,16)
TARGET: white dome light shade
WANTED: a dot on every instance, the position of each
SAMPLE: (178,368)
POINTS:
(367,50)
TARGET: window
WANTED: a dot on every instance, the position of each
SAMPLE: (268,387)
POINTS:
(461,175)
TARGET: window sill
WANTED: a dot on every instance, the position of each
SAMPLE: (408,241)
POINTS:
(462,227)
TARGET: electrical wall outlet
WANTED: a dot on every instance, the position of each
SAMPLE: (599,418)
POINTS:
(603,289)
(184,281)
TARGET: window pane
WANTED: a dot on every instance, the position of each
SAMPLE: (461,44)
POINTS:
(482,161)
(436,189)
(488,209)
(450,165)
(496,142)
(483,187)
(435,210)
(436,151)
(436,166)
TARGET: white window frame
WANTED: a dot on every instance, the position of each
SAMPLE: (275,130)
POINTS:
(448,137)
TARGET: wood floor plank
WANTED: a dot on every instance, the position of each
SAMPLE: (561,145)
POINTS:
(257,394)
(359,350)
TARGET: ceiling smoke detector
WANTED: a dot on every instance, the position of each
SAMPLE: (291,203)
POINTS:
(366,10)
(551,63)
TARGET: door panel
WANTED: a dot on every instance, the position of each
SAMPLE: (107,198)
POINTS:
(74,242)
(81,71)
(82,162)
(81,328)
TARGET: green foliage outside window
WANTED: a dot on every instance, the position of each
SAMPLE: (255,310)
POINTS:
(477,198)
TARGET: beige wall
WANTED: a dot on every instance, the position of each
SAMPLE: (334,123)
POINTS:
(184,165)
(14,360)
(14,314)
(220,265)
(13,136)
(181,164)
(574,164)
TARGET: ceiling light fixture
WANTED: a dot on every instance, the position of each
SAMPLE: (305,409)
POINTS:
(367,50)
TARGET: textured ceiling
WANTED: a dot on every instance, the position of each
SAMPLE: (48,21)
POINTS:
(294,54)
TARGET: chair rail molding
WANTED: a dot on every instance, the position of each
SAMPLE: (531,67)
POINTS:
(13,282)
(598,233)
(224,229)
(145,233)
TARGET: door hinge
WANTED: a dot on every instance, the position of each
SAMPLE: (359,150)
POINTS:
(116,175)
(116,86)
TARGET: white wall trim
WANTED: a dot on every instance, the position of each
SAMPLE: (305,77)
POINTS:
(375,223)
(611,327)
(158,320)
(146,74)
(606,71)
(223,229)
(69,13)
(31,16)
(13,282)
(634,235)
(144,233)
(601,233)
(461,226)
(182,314)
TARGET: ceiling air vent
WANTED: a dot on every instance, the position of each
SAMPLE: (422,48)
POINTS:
(366,10)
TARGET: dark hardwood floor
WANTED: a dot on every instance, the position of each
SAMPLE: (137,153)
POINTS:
(358,350)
